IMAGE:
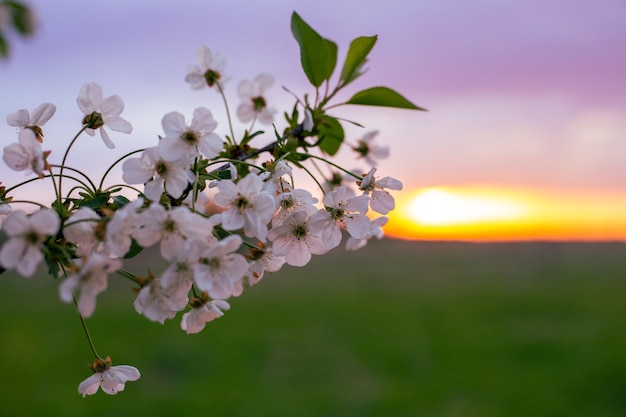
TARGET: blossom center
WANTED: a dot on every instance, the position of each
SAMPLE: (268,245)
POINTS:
(363,149)
(299,231)
(212,77)
(161,168)
(93,120)
(32,238)
(337,213)
(286,204)
(242,203)
(189,137)
(258,103)
(169,226)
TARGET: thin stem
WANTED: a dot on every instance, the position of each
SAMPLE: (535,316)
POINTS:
(129,275)
(123,186)
(358,177)
(93,186)
(230,122)
(115,163)
(87,334)
(23,202)
(54,184)
(67,151)
(313,177)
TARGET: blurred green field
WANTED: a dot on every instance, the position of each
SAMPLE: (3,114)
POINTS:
(396,329)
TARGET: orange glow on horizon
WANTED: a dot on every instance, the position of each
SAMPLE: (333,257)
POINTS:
(504,214)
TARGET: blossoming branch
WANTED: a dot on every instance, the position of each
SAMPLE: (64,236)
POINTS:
(220,210)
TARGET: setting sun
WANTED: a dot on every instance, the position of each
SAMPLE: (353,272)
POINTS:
(442,207)
(502,214)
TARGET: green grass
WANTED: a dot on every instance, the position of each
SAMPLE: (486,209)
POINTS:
(396,329)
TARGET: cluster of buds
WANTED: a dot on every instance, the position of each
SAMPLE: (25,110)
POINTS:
(220,211)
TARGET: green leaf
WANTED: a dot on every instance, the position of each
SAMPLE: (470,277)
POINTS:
(331,135)
(357,57)
(317,55)
(134,250)
(382,96)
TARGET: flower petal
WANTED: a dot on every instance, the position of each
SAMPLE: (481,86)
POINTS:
(42,114)
(89,98)
(118,124)
(111,106)
(21,118)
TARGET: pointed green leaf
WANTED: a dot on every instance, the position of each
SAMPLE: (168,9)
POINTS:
(357,57)
(382,96)
(317,55)
(331,135)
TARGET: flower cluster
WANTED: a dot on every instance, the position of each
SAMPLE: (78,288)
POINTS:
(219,211)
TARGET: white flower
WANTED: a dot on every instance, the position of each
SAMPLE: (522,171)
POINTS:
(34,120)
(195,320)
(262,259)
(294,240)
(380,200)
(274,181)
(82,229)
(248,207)
(376,230)
(123,224)
(296,200)
(208,71)
(101,112)
(171,228)
(342,210)
(112,379)
(23,250)
(366,148)
(92,278)
(186,142)
(156,303)
(157,174)
(26,155)
(253,105)
(219,270)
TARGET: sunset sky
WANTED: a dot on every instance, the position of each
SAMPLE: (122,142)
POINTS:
(525,137)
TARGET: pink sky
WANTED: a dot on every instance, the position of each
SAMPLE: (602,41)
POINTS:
(520,93)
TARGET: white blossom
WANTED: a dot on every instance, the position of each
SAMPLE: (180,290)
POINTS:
(274,182)
(263,259)
(111,379)
(367,149)
(171,228)
(296,200)
(342,210)
(121,227)
(253,104)
(157,174)
(23,250)
(209,69)
(184,141)
(82,228)
(247,206)
(195,319)
(380,200)
(219,270)
(92,279)
(34,120)
(294,240)
(100,112)
(376,230)
(26,155)
(157,303)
